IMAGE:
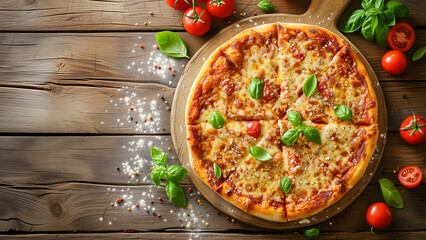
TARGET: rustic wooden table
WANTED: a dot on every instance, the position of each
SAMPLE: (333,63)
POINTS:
(77,93)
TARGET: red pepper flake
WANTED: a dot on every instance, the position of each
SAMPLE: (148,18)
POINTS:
(174,70)
(190,188)
(137,205)
(181,23)
(121,199)
(254,13)
(170,67)
(131,109)
(159,199)
(227,218)
(141,46)
(173,74)
(144,120)
(180,220)
(155,66)
(159,215)
(159,67)
(195,199)
(117,201)
(157,47)
(130,176)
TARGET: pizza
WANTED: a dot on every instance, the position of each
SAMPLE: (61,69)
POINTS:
(282,121)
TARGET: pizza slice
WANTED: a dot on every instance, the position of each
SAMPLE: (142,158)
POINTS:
(346,82)
(303,51)
(226,146)
(255,185)
(314,186)
(345,148)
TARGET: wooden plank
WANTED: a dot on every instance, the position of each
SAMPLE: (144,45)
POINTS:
(127,15)
(85,58)
(231,236)
(28,160)
(92,109)
(130,15)
(56,184)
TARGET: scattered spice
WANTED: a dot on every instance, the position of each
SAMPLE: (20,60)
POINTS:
(183,66)
(207,223)
(141,46)
(159,199)
(254,13)
(232,220)
(170,67)
(137,205)
(145,23)
(190,188)
(331,223)
(159,215)
(112,204)
(169,149)
(157,47)
(128,209)
(173,74)
(159,67)
(107,194)
(167,108)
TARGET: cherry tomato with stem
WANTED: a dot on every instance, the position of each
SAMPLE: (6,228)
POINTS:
(410,176)
(379,215)
(220,8)
(197,21)
(413,129)
(401,37)
(254,129)
(179,4)
(394,62)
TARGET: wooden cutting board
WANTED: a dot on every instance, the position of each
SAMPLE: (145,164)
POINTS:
(322,13)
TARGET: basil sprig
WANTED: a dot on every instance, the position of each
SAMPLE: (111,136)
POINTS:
(266,6)
(256,88)
(343,112)
(172,174)
(310,85)
(311,232)
(216,120)
(290,137)
(419,53)
(260,153)
(390,193)
(171,44)
(375,19)
(285,184)
(217,171)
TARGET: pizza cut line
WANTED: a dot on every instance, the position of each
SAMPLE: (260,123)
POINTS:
(282,56)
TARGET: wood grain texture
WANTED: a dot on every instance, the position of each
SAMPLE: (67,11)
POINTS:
(226,236)
(130,15)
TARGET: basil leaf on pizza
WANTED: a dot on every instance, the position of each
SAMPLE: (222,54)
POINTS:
(294,118)
(290,136)
(256,88)
(310,85)
(312,134)
(175,193)
(176,173)
(285,184)
(158,157)
(343,112)
(217,171)
(260,153)
(216,120)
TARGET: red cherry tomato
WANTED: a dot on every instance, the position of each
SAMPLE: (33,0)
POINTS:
(394,62)
(401,37)
(379,215)
(179,4)
(197,21)
(220,8)
(253,129)
(413,130)
(410,177)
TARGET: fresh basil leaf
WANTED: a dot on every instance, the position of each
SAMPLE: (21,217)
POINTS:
(369,26)
(216,120)
(379,4)
(158,157)
(256,88)
(294,118)
(217,171)
(285,184)
(371,12)
(381,35)
(266,6)
(419,53)
(171,44)
(157,174)
(311,232)
(310,85)
(260,153)
(390,193)
(175,194)
(343,112)
(387,18)
(367,4)
(290,137)
(176,173)
(354,22)
(312,134)
(399,9)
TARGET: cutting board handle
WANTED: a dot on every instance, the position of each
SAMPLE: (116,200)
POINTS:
(325,13)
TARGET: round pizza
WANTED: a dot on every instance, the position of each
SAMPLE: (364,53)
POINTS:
(282,121)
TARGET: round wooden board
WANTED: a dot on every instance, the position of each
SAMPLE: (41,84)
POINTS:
(322,13)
